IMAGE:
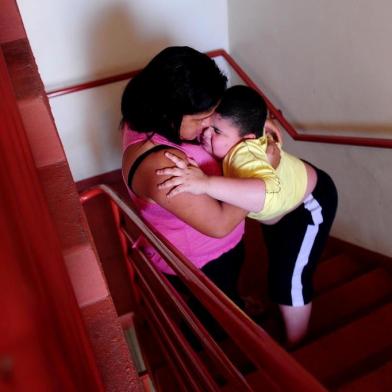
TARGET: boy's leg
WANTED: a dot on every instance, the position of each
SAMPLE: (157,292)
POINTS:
(294,246)
(287,286)
(296,321)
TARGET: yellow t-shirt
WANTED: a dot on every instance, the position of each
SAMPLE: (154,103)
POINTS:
(285,185)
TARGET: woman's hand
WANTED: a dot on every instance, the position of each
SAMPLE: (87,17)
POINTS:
(186,177)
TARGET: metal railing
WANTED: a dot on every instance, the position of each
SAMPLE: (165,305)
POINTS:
(276,113)
(163,307)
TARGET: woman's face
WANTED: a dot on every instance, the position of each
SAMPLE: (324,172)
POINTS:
(192,125)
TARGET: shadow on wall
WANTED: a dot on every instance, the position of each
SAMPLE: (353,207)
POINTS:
(115,46)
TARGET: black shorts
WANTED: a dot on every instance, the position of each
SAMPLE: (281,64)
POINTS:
(296,242)
(223,272)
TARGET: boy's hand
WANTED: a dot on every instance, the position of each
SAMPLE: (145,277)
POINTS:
(273,152)
(271,129)
(186,177)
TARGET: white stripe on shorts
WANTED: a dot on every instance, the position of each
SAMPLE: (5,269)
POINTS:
(312,205)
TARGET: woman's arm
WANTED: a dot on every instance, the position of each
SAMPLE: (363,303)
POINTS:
(202,212)
(246,193)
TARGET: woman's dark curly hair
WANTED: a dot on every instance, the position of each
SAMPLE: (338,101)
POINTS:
(179,80)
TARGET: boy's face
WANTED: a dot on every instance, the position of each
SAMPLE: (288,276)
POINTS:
(221,136)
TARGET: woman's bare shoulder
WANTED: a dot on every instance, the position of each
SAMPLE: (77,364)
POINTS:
(144,177)
(199,211)
(132,152)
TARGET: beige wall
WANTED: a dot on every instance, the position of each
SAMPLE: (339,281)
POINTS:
(327,66)
(311,57)
(79,40)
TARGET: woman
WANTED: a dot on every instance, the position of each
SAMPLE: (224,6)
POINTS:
(167,105)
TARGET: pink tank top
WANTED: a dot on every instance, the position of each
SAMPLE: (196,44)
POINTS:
(197,247)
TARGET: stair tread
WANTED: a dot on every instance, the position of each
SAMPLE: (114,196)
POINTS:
(379,380)
(259,381)
(354,298)
(339,352)
(164,381)
(337,270)
(332,248)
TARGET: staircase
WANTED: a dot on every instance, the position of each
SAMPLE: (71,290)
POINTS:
(349,345)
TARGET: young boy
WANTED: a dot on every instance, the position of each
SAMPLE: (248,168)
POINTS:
(296,202)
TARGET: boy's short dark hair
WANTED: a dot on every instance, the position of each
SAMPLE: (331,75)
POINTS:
(246,108)
(177,81)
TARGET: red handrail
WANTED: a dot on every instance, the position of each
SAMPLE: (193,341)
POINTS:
(214,351)
(276,113)
(140,266)
(255,342)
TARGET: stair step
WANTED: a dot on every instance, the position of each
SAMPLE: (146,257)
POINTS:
(128,326)
(341,352)
(259,381)
(353,299)
(337,270)
(164,380)
(379,380)
(148,386)
(332,249)
(237,356)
